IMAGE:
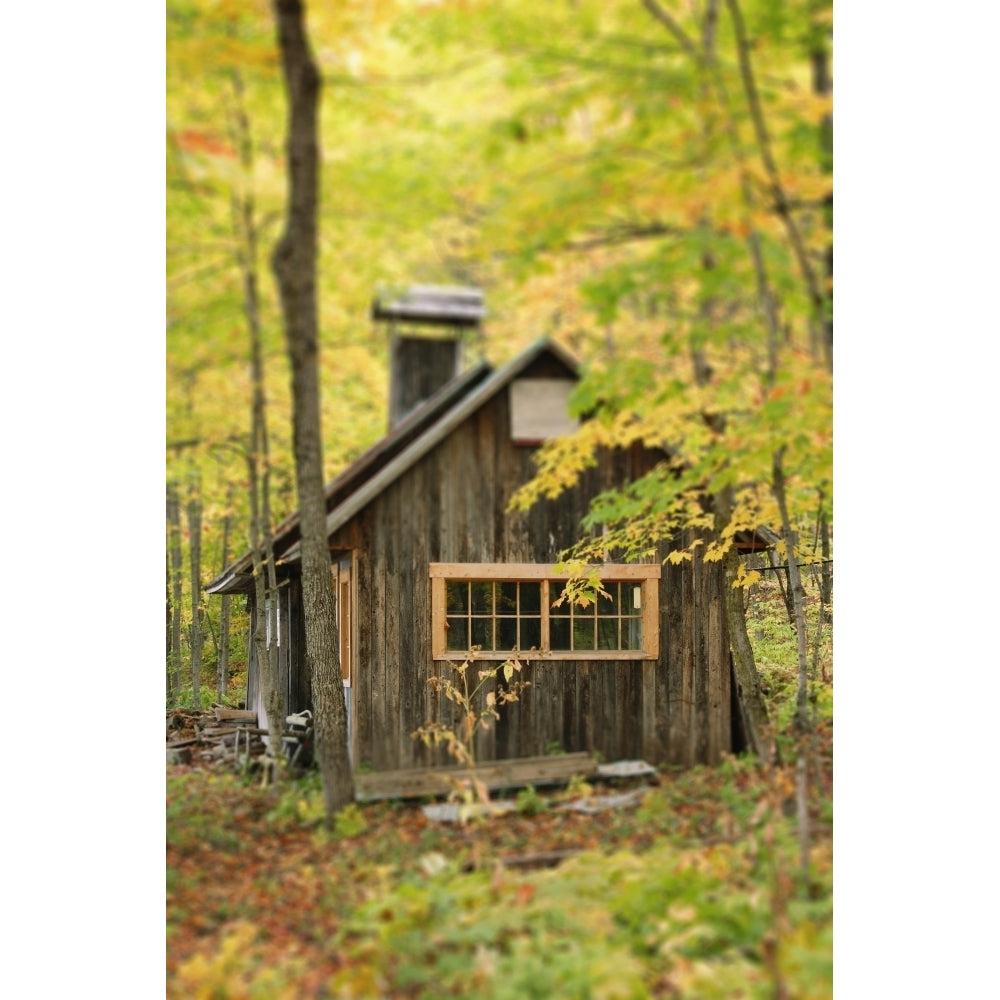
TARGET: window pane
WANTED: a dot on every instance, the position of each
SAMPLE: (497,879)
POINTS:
(506,598)
(458,598)
(458,633)
(632,633)
(559,633)
(631,598)
(608,605)
(482,598)
(583,633)
(607,633)
(506,633)
(531,598)
(531,634)
(482,633)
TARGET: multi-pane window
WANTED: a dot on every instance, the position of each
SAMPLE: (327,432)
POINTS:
(500,608)
(493,614)
(614,621)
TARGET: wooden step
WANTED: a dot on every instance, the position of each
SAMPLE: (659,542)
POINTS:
(414,783)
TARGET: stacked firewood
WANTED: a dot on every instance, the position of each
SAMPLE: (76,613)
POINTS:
(222,734)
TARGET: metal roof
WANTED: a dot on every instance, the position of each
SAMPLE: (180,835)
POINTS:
(393,455)
(445,305)
(238,576)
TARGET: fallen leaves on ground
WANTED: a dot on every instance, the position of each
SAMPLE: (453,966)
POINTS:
(698,883)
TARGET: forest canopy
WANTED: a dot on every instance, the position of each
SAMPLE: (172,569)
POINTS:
(648,183)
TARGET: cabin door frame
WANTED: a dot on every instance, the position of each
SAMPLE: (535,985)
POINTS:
(345,586)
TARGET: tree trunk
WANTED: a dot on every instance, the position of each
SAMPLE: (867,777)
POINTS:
(798,593)
(751,700)
(225,622)
(826,572)
(822,84)
(170,646)
(222,660)
(802,722)
(265,626)
(784,585)
(197,638)
(176,563)
(756,721)
(294,264)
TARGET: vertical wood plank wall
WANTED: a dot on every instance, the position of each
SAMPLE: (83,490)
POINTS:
(451,507)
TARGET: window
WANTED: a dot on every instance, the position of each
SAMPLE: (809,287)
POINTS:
(504,607)
(539,409)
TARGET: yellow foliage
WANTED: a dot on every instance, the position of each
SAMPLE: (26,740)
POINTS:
(746,579)
(236,971)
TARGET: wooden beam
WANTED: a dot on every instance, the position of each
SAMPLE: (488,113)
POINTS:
(227,714)
(423,782)
(539,571)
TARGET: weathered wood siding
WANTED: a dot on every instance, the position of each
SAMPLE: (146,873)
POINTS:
(291,655)
(451,507)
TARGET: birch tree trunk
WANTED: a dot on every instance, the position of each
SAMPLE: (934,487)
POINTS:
(294,264)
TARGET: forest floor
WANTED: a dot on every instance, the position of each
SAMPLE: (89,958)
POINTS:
(711,882)
(700,883)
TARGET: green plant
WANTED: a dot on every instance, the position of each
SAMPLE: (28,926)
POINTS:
(300,803)
(529,802)
(579,788)
(350,822)
(477,707)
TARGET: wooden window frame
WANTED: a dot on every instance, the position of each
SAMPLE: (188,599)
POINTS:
(647,576)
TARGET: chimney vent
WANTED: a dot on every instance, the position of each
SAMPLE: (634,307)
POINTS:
(421,363)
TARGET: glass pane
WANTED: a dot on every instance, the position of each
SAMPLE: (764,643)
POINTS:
(607,633)
(506,598)
(482,633)
(631,598)
(482,598)
(583,633)
(632,633)
(608,605)
(458,633)
(458,598)
(559,633)
(506,633)
(531,598)
(531,634)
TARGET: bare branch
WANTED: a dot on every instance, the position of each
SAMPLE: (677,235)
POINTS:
(667,20)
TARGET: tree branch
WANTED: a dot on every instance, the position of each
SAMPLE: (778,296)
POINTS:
(781,201)
(667,20)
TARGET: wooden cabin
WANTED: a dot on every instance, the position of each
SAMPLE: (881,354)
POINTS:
(428,562)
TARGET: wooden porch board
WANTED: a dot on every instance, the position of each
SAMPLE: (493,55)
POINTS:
(420,782)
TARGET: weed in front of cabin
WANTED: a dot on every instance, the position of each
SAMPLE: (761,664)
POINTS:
(477,708)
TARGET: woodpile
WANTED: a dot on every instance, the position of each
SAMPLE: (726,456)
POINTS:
(231,736)
(217,736)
